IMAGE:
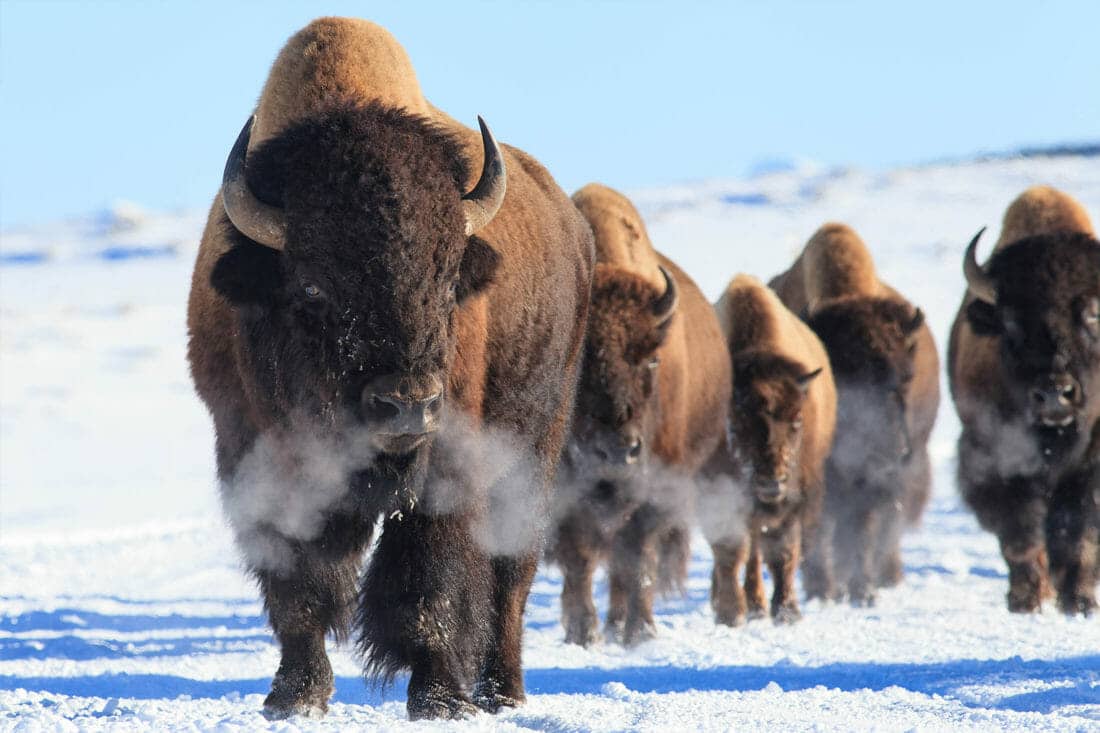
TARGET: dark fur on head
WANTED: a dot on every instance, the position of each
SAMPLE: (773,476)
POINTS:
(768,393)
(869,340)
(375,262)
(617,390)
(1047,289)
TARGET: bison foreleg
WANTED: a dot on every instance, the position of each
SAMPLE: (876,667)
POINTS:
(817,562)
(855,538)
(1073,537)
(755,595)
(425,605)
(577,550)
(634,565)
(314,596)
(500,683)
(887,552)
(727,598)
(782,549)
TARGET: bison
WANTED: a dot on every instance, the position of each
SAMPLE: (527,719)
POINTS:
(886,369)
(651,407)
(781,426)
(377,332)
(1024,368)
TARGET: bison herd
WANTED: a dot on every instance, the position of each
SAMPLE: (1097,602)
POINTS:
(407,334)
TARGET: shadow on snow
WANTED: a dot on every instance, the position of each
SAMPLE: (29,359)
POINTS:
(944,679)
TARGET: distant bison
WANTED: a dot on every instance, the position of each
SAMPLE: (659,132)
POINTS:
(886,368)
(780,430)
(651,408)
(364,313)
(1024,365)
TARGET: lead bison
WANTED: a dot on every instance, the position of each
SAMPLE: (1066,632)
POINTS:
(372,340)
(886,368)
(1024,365)
(780,431)
(651,407)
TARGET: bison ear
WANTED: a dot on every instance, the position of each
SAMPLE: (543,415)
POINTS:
(248,274)
(479,266)
(982,318)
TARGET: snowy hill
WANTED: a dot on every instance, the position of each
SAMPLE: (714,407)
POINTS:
(122,602)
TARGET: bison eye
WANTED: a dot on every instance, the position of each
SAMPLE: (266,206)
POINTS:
(312,291)
(653,363)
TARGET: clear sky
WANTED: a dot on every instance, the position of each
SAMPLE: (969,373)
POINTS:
(142,100)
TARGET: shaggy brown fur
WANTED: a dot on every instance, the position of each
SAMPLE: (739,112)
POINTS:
(886,368)
(378,281)
(780,430)
(650,409)
(1029,478)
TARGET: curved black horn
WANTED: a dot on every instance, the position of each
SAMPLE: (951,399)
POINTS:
(977,281)
(665,305)
(483,202)
(255,219)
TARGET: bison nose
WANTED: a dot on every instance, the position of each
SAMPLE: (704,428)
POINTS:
(1053,401)
(403,406)
(625,451)
(769,491)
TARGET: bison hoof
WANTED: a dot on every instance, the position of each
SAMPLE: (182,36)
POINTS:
(1077,604)
(637,633)
(729,618)
(583,631)
(786,615)
(429,706)
(756,613)
(299,694)
(491,693)
(1023,602)
(493,702)
(613,631)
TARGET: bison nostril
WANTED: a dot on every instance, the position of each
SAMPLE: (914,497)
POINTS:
(1038,396)
(381,408)
(1067,392)
(601,454)
(635,449)
(433,405)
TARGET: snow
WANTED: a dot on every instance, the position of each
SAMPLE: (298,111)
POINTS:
(122,600)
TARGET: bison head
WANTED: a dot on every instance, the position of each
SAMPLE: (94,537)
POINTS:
(353,246)
(617,400)
(766,422)
(1040,297)
(871,344)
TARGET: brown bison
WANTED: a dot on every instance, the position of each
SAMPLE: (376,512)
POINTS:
(651,408)
(365,314)
(780,430)
(886,369)
(1024,367)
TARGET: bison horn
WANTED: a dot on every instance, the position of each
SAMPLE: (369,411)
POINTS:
(665,304)
(483,202)
(980,284)
(253,218)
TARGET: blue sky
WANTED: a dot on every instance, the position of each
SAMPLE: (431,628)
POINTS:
(142,100)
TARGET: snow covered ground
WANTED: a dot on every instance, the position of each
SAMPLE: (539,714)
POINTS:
(122,601)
